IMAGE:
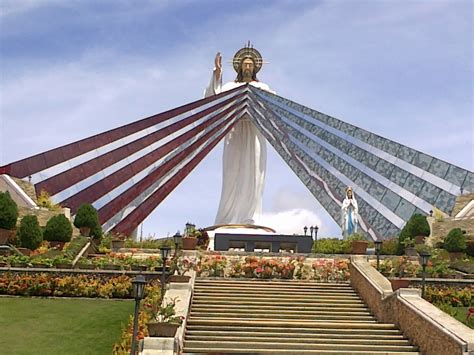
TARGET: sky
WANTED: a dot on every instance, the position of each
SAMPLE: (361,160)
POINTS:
(71,69)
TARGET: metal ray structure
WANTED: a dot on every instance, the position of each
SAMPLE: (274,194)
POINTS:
(125,173)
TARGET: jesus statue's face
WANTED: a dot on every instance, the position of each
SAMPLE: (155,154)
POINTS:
(247,69)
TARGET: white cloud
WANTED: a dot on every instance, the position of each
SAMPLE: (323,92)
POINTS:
(291,221)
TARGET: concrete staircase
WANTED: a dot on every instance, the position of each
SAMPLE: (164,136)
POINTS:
(287,317)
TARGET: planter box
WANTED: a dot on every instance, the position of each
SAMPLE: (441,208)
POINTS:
(18,265)
(179,278)
(399,283)
(156,329)
(117,244)
(85,266)
(4,236)
(420,239)
(85,231)
(189,243)
(359,247)
(111,267)
(40,265)
(63,266)
(25,251)
(411,251)
(57,245)
(455,255)
(138,267)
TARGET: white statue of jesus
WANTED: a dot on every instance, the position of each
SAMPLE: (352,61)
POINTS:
(245,150)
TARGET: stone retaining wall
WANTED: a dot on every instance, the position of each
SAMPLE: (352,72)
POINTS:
(435,332)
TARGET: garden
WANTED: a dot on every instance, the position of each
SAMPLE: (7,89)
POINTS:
(49,262)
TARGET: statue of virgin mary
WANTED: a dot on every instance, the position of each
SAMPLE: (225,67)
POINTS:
(245,151)
(349,211)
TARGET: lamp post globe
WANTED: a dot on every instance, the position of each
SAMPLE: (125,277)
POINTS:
(177,239)
(138,286)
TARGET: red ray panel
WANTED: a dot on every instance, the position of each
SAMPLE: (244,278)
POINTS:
(28,166)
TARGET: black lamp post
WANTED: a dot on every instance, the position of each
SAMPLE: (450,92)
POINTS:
(138,284)
(311,229)
(424,256)
(177,239)
(378,246)
(316,228)
(165,252)
(305,229)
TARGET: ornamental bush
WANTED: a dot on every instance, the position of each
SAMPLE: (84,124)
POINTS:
(8,211)
(29,233)
(58,229)
(87,216)
(455,241)
(416,225)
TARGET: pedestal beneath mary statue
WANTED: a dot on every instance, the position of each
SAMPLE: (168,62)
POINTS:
(245,151)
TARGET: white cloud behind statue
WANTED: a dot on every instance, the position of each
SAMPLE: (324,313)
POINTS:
(73,69)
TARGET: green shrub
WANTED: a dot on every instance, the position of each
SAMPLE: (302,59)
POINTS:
(331,246)
(455,241)
(416,225)
(8,211)
(87,216)
(389,247)
(58,229)
(29,233)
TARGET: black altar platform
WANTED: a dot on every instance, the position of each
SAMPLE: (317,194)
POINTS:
(273,243)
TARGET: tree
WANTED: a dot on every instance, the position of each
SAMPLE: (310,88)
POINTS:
(87,216)
(58,229)
(455,241)
(8,211)
(29,233)
(416,225)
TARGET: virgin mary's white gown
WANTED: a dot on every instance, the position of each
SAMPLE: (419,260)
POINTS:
(244,164)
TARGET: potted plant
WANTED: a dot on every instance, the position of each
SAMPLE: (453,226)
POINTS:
(190,239)
(19,261)
(358,244)
(164,321)
(409,246)
(402,268)
(58,231)
(118,242)
(87,220)
(178,267)
(8,216)
(455,244)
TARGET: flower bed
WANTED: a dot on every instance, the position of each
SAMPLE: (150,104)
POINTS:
(152,298)
(65,286)
(453,301)
(324,270)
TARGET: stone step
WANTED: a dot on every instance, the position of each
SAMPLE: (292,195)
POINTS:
(279,310)
(272,291)
(302,317)
(213,346)
(306,340)
(290,351)
(275,300)
(279,296)
(310,334)
(273,283)
(295,331)
(301,320)
(215,321)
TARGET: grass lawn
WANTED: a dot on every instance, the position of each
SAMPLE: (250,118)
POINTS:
(61,326)
(461,313)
